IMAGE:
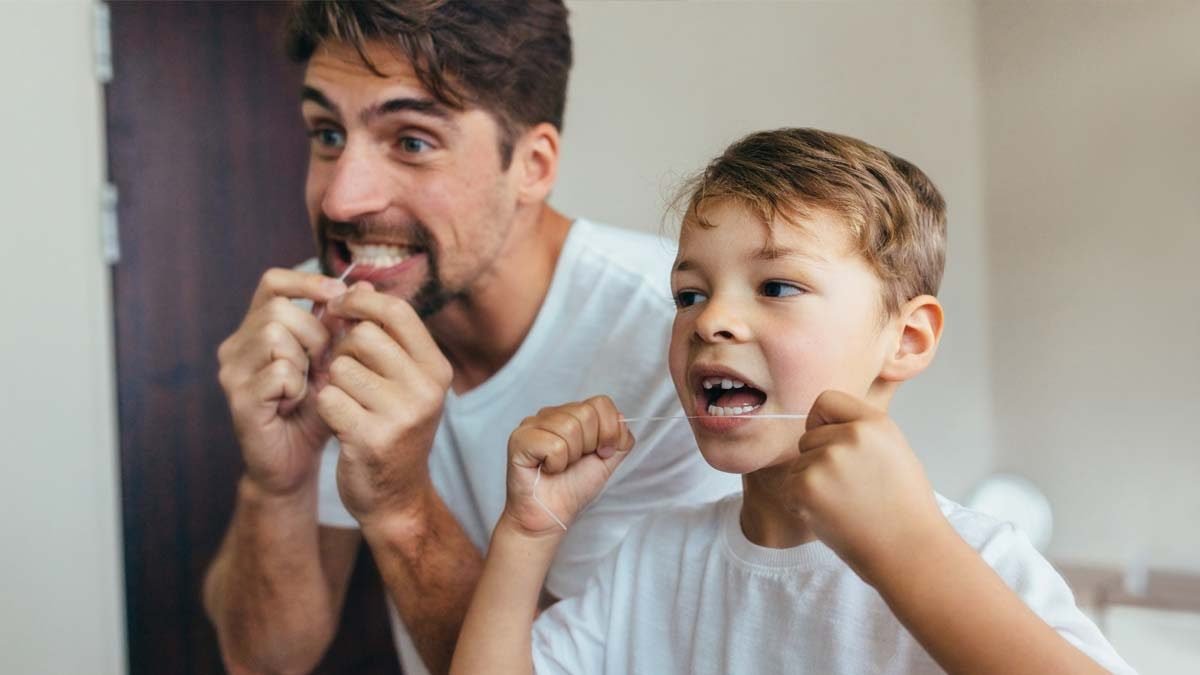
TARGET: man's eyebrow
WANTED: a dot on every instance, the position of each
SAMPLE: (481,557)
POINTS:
(422,106)
(317,96)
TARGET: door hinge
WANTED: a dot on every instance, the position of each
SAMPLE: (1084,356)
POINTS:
(110,237)
(101,23)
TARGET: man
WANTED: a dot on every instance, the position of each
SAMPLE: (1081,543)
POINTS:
(471,303)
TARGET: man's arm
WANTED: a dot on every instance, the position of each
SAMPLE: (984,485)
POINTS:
(430,569)
(275,590)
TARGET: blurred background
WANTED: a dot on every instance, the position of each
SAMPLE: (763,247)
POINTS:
(1065,136)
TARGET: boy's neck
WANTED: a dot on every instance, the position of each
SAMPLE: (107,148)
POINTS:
(765,518)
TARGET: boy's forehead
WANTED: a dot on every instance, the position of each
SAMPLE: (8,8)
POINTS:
(730,228)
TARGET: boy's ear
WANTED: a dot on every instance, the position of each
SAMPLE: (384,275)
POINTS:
(920,330)
(535,156)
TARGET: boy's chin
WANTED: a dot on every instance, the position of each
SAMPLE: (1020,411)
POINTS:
(742,458)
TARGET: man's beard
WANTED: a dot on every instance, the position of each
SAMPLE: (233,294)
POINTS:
(431,295)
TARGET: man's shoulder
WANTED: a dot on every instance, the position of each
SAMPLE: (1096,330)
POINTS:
(641,258)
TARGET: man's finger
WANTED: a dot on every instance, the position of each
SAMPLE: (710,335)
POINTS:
(278,282)
(395,316)
(367,388)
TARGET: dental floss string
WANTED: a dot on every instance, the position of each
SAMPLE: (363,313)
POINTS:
(319,313)
(537,479)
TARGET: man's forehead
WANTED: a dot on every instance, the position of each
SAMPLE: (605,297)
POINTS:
(336,66)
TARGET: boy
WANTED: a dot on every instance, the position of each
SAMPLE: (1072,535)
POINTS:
(805,282)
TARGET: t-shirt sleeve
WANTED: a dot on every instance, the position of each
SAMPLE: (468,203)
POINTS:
(664,470)
(1036,581)
(330,510)
(569,638)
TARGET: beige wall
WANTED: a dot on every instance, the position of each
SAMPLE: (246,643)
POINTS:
(660,88)
(1092,128)
(61,608)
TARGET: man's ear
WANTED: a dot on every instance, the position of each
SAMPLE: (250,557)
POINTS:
(920,330)
(535,157)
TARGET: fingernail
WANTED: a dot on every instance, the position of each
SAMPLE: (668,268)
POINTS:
(606,452)
(333,286)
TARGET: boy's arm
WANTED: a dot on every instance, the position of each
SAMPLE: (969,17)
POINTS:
(496,634)
(862,491)
(566,453)
(964,614)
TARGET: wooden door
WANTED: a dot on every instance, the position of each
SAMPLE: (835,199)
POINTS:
(208,153)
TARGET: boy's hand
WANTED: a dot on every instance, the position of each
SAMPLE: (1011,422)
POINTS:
(859,486)
(578,446)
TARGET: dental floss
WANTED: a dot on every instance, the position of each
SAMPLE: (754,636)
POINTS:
(318,314)
(537,479)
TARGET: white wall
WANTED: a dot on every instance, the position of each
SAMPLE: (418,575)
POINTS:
(1093,207)
(61,604)
(660,88)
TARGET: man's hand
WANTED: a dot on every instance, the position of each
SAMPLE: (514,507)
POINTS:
(859,486)
(577,446)
(263,368)
(387,382)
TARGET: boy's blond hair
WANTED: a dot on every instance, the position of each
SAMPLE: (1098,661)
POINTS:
(895,213)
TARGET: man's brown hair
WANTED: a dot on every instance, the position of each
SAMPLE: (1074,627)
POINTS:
(510,58)
(895,214)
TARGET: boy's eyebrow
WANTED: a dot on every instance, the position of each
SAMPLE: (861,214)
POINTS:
(772,252)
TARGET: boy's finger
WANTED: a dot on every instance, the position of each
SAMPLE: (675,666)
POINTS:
(530,447)
(821,437)
(608,421)
(835,407)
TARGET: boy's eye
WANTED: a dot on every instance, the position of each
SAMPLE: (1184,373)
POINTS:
(414,145)
(688,298)
(328,138)
(779,289)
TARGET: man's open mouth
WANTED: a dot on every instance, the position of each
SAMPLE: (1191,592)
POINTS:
(726,396)
(376,255)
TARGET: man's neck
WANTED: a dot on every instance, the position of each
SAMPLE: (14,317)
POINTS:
(481,332)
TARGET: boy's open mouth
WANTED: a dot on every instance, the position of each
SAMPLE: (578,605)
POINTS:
(725,394)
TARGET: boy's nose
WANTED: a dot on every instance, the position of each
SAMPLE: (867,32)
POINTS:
(357,188)
(717,323)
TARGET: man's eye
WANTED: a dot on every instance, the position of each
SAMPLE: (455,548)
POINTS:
(779,289)
(328,138)
(688,298)
(413,145)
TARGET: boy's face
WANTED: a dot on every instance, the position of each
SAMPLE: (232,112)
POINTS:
(788,311)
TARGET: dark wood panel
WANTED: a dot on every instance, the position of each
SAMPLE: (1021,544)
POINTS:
(207,150)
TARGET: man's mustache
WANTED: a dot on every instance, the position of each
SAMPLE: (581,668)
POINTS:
(412,232)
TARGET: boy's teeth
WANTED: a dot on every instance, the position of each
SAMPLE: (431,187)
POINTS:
(718,411)
(727,383)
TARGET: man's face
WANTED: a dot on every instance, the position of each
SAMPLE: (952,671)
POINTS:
(769,319)
(408,189)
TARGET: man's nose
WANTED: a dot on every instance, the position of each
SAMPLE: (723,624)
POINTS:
(718,322)
(357,188)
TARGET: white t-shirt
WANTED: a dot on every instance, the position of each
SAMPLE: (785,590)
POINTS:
(602,329)
(686,592)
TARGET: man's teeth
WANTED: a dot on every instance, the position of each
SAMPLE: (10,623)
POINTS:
(722,382)
(718,411)
(378,255)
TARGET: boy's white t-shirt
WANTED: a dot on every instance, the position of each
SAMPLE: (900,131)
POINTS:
(686,592)
(603,328)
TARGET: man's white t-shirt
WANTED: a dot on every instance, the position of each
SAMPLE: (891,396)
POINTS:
(687,593)
(603,328)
